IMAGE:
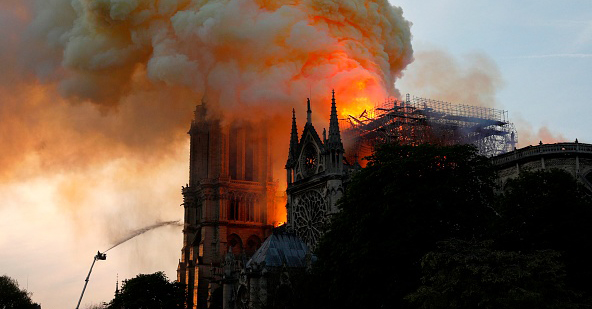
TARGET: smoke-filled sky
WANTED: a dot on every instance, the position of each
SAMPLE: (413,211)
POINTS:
(540,52)
(96,98)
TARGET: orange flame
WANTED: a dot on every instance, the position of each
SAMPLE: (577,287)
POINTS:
(357,107)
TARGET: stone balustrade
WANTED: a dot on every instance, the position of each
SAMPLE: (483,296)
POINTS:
(544,149)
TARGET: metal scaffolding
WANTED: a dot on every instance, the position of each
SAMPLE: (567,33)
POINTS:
(418,120)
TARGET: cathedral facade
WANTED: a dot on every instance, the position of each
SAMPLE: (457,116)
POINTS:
(228,203)
(232,257)
(315,173)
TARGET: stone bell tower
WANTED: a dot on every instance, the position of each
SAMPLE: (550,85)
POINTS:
(316,172)
(228,203)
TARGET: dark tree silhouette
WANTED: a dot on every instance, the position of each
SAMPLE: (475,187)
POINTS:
(549,210)
(470,274)
(394,212)
(12,297)
(526,246)
(149,291)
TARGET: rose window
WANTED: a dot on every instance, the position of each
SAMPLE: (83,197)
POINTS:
(310,217)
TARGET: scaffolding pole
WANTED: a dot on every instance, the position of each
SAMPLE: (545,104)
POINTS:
(419,120)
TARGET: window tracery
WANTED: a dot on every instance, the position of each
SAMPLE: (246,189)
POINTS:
(310,217)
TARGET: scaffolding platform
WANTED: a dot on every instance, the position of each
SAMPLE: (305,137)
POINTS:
(416,120)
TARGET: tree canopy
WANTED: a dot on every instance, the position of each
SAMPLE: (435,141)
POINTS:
(426,227)
(548,209)
(471,274)
(149,291)
(393,212)
(13,297)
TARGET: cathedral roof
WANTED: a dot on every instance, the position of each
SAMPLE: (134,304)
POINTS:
(281,249)
(296,145)
(309,128)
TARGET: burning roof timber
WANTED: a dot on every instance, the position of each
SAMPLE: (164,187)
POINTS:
(418,120)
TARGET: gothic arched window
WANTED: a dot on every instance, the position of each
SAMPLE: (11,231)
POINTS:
(251,210)
(253,243)
(233,210)
(310,216)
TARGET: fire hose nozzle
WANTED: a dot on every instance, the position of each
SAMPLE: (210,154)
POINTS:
(101,256)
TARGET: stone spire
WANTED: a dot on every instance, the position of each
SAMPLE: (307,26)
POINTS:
(117,285)
(334,141)
(293,137)
(308,112)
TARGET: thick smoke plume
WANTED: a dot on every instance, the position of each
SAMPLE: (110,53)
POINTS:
(145,64)
(257,53)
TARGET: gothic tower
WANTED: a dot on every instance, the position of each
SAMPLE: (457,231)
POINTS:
(228,203)
(315,175)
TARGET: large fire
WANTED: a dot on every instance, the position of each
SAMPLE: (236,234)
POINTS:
(356,106)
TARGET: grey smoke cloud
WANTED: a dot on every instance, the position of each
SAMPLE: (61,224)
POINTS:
(100,49)
(473,80)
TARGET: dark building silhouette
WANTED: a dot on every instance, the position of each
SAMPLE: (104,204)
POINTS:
(229,201)
(316,172)
(231,257)
(574,158)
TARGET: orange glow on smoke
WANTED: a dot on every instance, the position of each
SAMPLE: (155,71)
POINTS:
(361,85)
(254,58)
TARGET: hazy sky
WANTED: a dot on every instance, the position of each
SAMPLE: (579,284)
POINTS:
(542,49)
(531,58)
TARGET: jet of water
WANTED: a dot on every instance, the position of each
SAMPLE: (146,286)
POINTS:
(144,230)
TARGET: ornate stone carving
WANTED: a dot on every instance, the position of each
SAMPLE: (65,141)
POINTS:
(310,216)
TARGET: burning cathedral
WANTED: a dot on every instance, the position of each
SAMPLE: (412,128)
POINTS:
(232,256)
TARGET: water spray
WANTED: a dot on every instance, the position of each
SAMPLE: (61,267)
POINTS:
(103,256)
(142,231)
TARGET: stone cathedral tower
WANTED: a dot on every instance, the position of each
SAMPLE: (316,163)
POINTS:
(316,173)
(229,201)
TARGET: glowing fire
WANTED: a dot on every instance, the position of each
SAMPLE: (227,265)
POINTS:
(361,85)
(280,215)
(356,107)
(355,97)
